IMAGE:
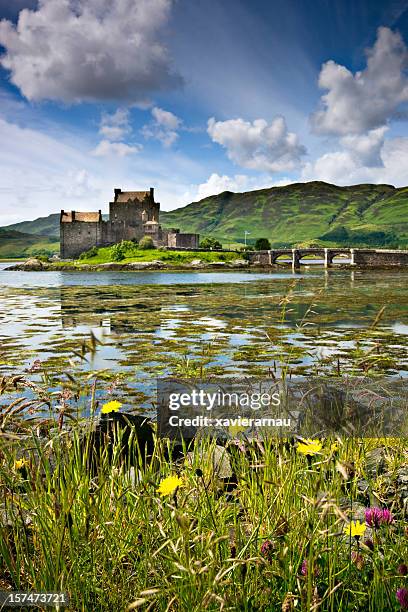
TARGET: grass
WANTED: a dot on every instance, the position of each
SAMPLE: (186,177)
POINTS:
(133,254)
(113,541)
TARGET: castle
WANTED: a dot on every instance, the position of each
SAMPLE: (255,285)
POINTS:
(132,215)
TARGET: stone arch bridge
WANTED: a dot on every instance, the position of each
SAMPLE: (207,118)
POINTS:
(357,257)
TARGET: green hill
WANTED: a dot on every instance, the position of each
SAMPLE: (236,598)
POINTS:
(43,226)
(20,244)
(301,213)
(359,215)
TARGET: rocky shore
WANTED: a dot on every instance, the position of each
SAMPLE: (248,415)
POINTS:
(35,265)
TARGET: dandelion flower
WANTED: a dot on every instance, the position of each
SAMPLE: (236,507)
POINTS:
(309,447)
(355,529)
(169,485)
(20,464)
(112,406)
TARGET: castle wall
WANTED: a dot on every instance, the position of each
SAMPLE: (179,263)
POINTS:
(79,236)
(187,241)
(129,219)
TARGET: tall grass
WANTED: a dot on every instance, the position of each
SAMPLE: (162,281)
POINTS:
(273,540)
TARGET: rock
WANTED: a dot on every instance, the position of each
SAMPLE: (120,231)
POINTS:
(217,264)
(239,263)
(112,265)
(146,265)
(196,263)
(32,264)
(218,458)
(129,427)
(375,463)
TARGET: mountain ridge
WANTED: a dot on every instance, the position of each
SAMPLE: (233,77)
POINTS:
(299,213)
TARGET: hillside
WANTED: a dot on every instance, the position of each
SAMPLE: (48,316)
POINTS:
(43,226)
(316,212)
(20,244)
(362,215)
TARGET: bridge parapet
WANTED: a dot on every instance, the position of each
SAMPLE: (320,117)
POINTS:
(369,258)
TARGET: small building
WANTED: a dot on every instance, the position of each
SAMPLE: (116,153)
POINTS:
(132,215)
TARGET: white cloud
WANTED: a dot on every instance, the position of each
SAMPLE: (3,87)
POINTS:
(41,174)
(344,168)
(116,125)
(87,50)
(258,145)
(121,149)
(366,148)
(163,127)
(368,99)
(217,183)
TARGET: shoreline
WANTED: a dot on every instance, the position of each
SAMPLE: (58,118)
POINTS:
(162,266)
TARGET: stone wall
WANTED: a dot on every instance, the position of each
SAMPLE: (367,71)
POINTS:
(79,236)
(380,257)
(369,258)
(132,215)
(187,241)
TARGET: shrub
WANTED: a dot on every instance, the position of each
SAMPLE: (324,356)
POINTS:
(93,252)
(146,243)
(118,252)
(262,244)
(210,243)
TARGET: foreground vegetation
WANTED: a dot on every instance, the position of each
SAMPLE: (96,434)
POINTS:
(291,530)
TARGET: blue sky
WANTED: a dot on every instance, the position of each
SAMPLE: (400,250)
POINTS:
(194,97)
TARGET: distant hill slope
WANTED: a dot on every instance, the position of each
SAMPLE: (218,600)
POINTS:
(365,215)
(43,226)
(301,213)
(20,244)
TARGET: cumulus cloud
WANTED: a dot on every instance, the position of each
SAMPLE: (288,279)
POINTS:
(163,127)
(366,148)
(89,50)
(116,125)
(258,145)
(356,103)
(343,168)
(121,149)
(41,173)
(217,183)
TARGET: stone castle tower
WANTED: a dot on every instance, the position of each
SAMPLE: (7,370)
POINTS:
(132,215)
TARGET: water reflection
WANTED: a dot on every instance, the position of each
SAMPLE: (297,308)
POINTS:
(228,322)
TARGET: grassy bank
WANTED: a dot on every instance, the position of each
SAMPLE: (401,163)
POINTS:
(131,253)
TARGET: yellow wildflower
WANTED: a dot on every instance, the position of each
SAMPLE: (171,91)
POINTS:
(355,529)
(169,485)
(20,464)
(112,406)
(309,447)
